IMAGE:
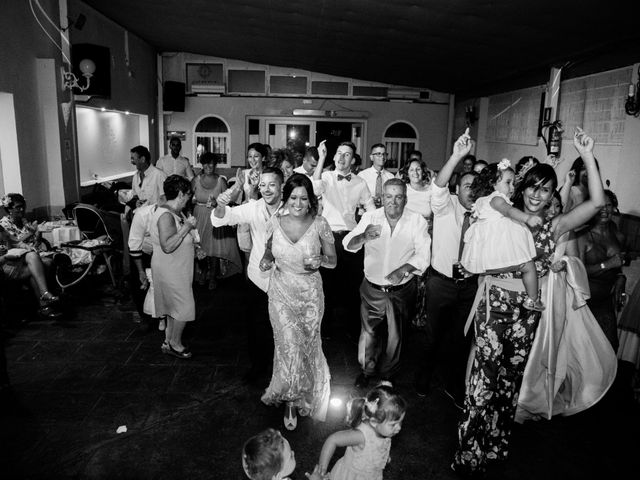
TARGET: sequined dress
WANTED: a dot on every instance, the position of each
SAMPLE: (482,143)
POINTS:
(296,305)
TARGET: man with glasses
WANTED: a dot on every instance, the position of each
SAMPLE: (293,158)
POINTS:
(376,175)
(342,193)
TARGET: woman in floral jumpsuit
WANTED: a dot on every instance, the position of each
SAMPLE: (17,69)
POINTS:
(504,331)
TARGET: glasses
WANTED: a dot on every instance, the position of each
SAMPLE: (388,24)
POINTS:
(379,154)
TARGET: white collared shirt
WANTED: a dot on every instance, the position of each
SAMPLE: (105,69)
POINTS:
(151,188)
(409,243)
(255,214)
(301,170)
(448,215)
(175,166)
(341,198)
(370,175)
(139,240)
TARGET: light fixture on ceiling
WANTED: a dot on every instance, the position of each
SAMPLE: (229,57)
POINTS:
(632,105)
(87,67)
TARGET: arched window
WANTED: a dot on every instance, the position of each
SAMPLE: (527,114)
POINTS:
(212,135)
(399,138)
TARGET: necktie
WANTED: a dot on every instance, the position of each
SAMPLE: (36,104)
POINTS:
(141,175)
(344,177)
(379,185)
(465,227)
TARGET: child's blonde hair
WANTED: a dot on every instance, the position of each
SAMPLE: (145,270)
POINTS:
(381,404)
(262,455)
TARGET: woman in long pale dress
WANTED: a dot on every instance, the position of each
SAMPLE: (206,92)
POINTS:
(172,264)
(301,242)
(218,244)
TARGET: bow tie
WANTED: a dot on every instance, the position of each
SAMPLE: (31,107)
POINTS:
(344,177)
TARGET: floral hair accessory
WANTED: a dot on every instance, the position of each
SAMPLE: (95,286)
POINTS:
(372,406)
(5,201)
(504,164)
(525,168)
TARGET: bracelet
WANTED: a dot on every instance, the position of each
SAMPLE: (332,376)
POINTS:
(602,267)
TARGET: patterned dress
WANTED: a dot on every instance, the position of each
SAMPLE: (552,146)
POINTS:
(366,462)
(296,305)
(503,342)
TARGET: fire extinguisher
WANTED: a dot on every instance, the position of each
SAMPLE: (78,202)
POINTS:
(555,138)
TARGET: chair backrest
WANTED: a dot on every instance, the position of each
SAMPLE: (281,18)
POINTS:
(92,224)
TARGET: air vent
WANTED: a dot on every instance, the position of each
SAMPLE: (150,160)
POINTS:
(287,85)
(207,87)
(247,81)
(330,88)
(365,91)
(403,94)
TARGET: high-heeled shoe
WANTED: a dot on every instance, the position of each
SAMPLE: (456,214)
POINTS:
(47,298)
(290,417)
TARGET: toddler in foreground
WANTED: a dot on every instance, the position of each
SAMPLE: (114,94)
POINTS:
(268,456)
(374,420)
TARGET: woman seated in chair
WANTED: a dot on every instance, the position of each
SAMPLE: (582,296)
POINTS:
(20,243)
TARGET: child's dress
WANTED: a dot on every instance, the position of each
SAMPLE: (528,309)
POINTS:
(495,241)
(363,463)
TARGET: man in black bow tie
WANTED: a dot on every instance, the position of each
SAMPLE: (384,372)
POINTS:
(342,193)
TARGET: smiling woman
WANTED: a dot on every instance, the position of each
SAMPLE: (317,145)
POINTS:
(299,244)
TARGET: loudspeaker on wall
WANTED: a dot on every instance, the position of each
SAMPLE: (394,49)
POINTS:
(173,96)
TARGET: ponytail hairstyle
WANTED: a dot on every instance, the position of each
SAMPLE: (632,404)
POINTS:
(484,183)
(381,404)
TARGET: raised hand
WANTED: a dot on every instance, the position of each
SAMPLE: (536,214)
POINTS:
(371,232)
(463,145)
(322,149)
(570,177)
(582,142)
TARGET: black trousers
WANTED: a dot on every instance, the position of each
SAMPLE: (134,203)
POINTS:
(259,331)
(448,306)
(341,290)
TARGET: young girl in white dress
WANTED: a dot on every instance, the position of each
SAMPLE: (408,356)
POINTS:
(374,420)
(499,238)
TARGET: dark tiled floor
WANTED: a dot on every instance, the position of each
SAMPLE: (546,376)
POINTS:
(77,380)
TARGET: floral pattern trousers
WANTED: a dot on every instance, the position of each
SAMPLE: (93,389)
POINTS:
(503,343)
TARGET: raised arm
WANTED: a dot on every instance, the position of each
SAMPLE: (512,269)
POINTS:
(509,211)
(565,191)
(344,438)
(322,156)
(582,213)
(460,149)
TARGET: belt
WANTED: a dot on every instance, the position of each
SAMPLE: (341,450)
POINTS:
(389,288)
(436,273)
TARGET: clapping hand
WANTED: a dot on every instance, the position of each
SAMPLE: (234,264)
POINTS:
(463,145)
(582,141)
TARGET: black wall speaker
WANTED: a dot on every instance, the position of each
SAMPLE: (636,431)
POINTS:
(100,85)
(173,96)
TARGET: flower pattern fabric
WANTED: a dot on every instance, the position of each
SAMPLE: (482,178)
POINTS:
(503,342)
(296,305)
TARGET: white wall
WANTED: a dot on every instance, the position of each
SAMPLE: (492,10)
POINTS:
(620,164)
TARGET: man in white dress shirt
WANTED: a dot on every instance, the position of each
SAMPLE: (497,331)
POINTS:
(396,250)
(174,163)
(146,185)
(257,214)
(309,162)
(376,175)
(342,194)
(450,291)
